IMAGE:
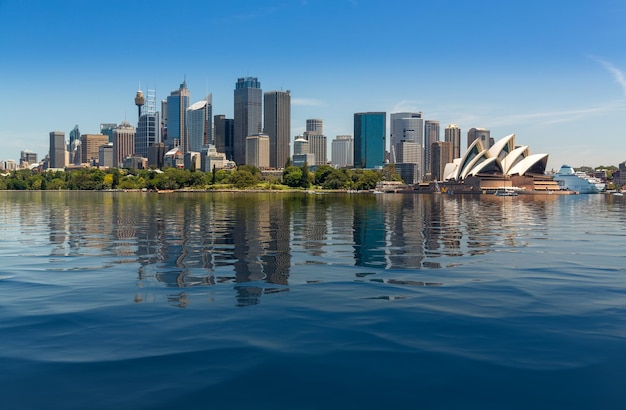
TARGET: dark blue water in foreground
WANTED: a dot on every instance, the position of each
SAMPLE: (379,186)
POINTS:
(285,301)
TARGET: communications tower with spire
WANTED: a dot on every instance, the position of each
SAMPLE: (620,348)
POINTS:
(139,101)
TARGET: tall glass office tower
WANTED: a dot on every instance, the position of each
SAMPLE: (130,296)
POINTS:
(200,124)
(177,104)
(223,140)
(148,131)
(431,134)
(277,118)
(248,115)
(369,139)
(57,150)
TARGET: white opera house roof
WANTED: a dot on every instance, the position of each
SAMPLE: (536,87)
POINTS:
(503,158)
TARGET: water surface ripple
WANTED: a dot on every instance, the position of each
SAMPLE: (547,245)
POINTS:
(300,301)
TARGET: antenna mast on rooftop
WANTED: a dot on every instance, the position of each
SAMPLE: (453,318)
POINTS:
(150,107)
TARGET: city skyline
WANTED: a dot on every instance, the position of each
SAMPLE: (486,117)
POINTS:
(523,67)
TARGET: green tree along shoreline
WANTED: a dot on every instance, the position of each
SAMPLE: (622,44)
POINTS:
(244,177)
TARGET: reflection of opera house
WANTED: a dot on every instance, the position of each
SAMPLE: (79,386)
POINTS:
(502,165)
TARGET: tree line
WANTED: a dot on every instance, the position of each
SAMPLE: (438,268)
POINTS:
(243,177)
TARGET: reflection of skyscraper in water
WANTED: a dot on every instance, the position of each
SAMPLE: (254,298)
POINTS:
(432,231)
(442,233)
(261,246)
(314,228)
(192,255)
(451,239)
(189,242)
(247,242)
(151,246)
(404,224)
(76,231)
(59,226)
(277,258)
(124,227)
(368,231)
(202,241)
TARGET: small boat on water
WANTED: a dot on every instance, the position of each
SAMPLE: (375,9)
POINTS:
(505,192)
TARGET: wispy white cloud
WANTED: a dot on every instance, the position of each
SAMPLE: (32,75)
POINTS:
(406,106)
(556,117)
(307,102)
(618,74)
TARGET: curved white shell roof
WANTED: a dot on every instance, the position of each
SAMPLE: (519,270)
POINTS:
(490,162)
(514,157)
(470,154)
(475,163)
(502,157)
(527,163)
(503,147)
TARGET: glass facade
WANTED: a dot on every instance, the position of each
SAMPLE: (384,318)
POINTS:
(177,104)
(147,133)
(248,114)
(369,139)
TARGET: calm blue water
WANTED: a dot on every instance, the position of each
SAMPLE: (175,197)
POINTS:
(286,301)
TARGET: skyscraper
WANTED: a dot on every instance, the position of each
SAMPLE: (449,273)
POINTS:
(163,124)
(105,155)
(74,136)
(224,129)
(258,151)
(406,145)
(57,150)
(277,120)
(300,146)
(453,136)
(431,134)
(177,104)
(301,154)
(74,146)
(405,126)
(90,145)
(369,139)
(248,115)
(482,134)
(107,129)
(147,133)
(199,124)
(156,154)
(342,151)
(318,145)
(315,125)
(123,143)
(441,154)
(27,158)
(148,128)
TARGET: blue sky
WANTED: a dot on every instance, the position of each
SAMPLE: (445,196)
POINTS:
(552,72)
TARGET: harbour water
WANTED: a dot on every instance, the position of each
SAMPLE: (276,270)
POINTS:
(311,301)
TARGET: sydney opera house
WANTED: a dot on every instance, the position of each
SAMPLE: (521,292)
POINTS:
(504,164)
